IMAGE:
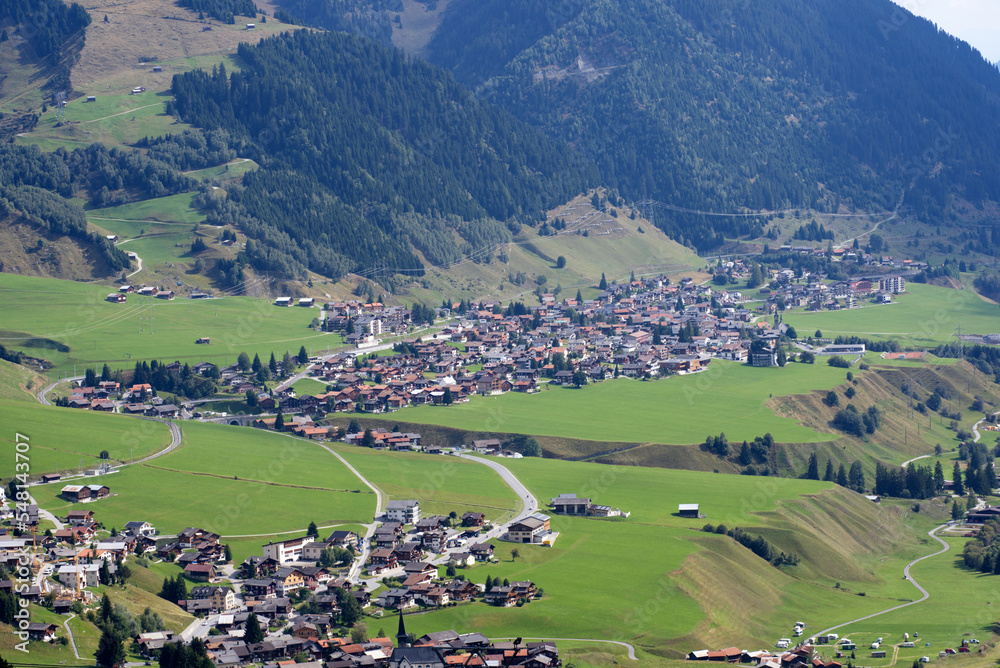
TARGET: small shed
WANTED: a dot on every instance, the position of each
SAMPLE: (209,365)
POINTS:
(204,339)
(251,26)
(157,68)
(91,98)
(688,510)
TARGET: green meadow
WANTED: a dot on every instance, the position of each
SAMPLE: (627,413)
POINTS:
(441,483)
(175,491)
(112,119)
(173,208)
(66,439)
(231,170)
(657,581)
(77,316)
(925,316)
(727,397)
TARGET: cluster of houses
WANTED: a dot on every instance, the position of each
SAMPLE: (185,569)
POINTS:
(124,291)
(811,292)
(803,656)
(110,396)
(309,643)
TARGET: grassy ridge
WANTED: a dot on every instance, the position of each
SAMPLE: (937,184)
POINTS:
(729,397)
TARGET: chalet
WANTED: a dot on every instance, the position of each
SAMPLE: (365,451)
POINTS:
(531,529)
(384,557)
(41,631)
(473,519)
(569,504)
(688,510)
(165,294)
(258,588)
(983,514)
(117,298)
(140,528)
(482,551)
(219,598)
(200,572)
(283,301)
(407,552)
(307,302)
(164,411)
(489,446)
(78,517)
(76,493)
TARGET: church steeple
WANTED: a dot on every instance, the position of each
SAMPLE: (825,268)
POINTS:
(402,637)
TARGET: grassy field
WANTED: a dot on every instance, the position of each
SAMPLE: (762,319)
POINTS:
(270,496)
(64,439)
(173,208)
(925,316)
(729,397)
(308,386)
(231,170)
(441,484)
(96,331)
(960,607)
(115,119)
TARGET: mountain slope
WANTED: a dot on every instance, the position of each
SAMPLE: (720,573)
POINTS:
(730,106)
(364,151)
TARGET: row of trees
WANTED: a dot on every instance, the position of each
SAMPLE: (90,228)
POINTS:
(853,478)
(911,482)
(756,544)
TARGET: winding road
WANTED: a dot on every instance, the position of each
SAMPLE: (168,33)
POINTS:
(975,428)
(529,503)
(69,634)
(906,573)
(369,528)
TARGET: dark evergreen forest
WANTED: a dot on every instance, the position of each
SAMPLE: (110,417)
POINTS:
(727,105)
(366,151)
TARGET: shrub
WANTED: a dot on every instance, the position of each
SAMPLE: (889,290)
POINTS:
(839,362)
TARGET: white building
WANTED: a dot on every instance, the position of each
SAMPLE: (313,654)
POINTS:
(405,512)
(286,550)
(89,575)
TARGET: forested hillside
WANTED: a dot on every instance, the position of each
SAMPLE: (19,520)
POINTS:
(725,105)
(365,151)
